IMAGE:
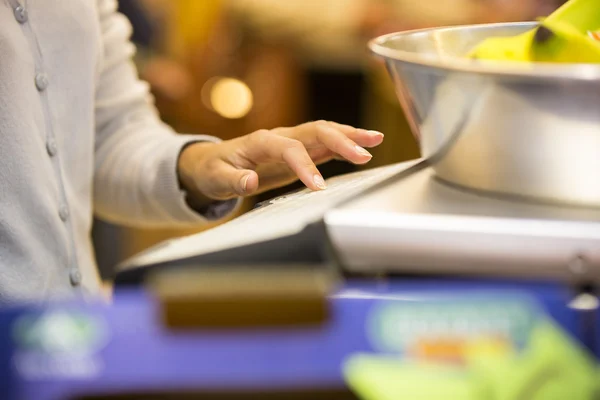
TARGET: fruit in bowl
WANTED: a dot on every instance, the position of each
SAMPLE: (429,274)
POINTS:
(569,35)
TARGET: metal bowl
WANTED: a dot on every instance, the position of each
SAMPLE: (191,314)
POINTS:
(530,130)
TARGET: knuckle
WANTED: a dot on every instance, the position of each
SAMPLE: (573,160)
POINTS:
(297,147)
(260,135)
(321,124)
(262,132)
(350,130)
(293,147)
(292,144)
(262,138)
(296,144)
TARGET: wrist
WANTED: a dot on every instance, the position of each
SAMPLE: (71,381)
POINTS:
(190,168)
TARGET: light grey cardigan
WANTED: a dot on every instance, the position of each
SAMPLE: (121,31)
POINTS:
(78,135)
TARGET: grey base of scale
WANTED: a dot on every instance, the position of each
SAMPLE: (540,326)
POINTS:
(420,224)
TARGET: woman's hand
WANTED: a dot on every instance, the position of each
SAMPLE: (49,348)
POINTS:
(267,159)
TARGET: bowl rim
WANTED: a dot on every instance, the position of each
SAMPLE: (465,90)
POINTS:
(578,72)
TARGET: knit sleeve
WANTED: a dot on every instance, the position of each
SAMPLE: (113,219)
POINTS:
(135,176)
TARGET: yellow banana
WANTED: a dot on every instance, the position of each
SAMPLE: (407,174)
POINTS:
(573,22)
(514,48)
(562,43)
(584,15)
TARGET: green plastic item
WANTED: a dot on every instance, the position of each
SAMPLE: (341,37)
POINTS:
(374,377)
(552,367)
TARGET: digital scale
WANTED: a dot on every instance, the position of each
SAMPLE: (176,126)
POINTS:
(398,219)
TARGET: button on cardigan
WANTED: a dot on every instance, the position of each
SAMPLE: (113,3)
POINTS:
(78,135)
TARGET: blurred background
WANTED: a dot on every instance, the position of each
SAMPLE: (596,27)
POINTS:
(230,67)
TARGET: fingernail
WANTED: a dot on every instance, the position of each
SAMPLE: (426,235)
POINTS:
(362,151)
(375,133)
(319,182)
(245,183)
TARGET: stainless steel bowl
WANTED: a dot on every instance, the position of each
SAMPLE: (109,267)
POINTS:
(527,130)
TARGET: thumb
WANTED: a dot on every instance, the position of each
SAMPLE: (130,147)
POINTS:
(247,182)
(228,180)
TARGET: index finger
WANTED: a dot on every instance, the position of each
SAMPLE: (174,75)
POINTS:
(266,147)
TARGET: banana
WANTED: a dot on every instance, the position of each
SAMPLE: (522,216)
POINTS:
(562,43)
(566,35)
(583,15)
(513,48)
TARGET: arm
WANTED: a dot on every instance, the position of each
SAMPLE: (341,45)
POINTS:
(142,165)
(136,155)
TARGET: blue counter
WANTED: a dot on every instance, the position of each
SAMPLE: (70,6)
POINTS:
(58,351)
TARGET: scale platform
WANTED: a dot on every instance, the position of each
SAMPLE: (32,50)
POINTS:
(396,219)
